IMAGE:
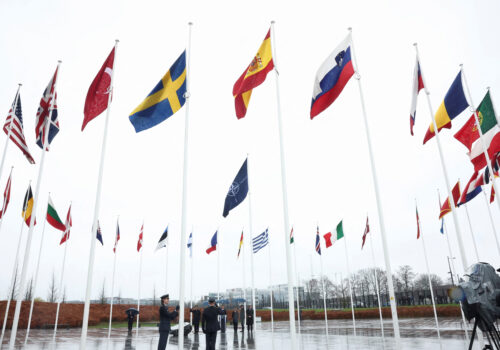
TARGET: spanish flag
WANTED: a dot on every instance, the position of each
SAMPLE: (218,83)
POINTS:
(28,206)
(253,76)
(453,104)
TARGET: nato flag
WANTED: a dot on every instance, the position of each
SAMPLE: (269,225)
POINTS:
(237,191)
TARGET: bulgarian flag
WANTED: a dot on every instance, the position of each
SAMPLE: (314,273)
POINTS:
(53,218)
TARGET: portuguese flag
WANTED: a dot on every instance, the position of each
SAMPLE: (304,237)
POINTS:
(53,218)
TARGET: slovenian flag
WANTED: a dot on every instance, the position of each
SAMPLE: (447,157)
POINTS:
(213,243)
(332,76)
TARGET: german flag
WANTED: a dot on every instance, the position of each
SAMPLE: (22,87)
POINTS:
(253,76)
(28,206)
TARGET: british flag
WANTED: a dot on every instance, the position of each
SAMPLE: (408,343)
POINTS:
(48,102)
(318,242)
(13,127)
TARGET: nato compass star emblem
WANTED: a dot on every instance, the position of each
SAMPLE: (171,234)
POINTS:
(340,58)
(234,189)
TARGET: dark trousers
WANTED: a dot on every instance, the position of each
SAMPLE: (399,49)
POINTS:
(223,325)
(235,325)
(196,326)
(242,326)
(250,327)
(130,324)
(211,338)
(162,343)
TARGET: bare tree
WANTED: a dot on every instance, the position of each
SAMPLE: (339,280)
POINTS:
(52,296)
(154,294)
(119,297)
(63,297)
(102,295)
(13,290)
(406,276)
(29,291)
(422,281)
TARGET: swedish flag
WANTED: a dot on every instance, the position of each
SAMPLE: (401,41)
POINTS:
(166,98)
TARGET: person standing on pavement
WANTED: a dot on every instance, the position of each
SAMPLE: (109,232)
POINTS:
(196,318)
(242,318)
(223,319)
(165,318)
(210,323)
(250,319)
(234,316)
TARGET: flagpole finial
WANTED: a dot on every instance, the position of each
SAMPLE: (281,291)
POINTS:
(190,23)
(461,65)
(349,29)
(117,41)
(273,21)
(488,88)
(415,44)
(20,84)
(59,61)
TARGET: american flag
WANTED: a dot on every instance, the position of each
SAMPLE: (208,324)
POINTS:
(318,242)
(117,236)
(14,123)
(48,101)
(367,230)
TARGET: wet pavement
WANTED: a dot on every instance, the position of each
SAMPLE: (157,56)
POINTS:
(415,333)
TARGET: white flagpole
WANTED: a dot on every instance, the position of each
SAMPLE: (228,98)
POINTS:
(191,275)
(491,221)
(12,279)
(27,250)
(472,233)
(458,231)
(113,284)
(321,277)
(139,285)
(430,282)
(182,269)
(244,268)
(297,282)
(286,223)
(270,283)
(478,126)
(97,206)
(250,220)
(60,286)
(350,286)
(5,198)
(377,288)
(392,298)
(218,265)
(8,134)
(35,282)
(166,264)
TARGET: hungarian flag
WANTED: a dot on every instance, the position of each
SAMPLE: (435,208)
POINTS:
(418,224)
(291,236)
(139,241)
(6,195)
(117,238)
(418,84)
(367,230)
(446,207)
(69,223)
(53,218)
(331,239)
(253,76)
(99,91)
(241,244)
(28,206)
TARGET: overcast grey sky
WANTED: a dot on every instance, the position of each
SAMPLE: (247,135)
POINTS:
(328,171)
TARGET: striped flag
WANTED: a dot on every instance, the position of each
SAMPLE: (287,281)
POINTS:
(53,218)
(260,241)
(117,238)
(99,233)
(48,101)
(318,241)
(241,244)
(28,206)
(139,241)
(367,230)
(418,84)
(6,196)
(69,223)
(291,236)
(14,123)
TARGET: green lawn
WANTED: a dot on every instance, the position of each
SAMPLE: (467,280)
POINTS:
(123,325)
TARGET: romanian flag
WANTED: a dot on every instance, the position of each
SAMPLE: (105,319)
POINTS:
(28,206)
(241,244)
(453,104)
(253,76)
(446,207)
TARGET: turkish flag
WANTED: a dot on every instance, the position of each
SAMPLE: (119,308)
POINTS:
(98,94)
(328,239)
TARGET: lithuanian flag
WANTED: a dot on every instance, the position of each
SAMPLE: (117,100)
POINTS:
(253,76)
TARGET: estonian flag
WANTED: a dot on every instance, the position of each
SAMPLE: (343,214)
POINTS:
(163,240)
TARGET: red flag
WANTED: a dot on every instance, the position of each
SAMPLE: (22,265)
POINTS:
(446,208)
(492,195)
(6,196)
(328,239)
(97,96)
(367,230)
(418,225)
(468,133)
(69,223)
(139,242)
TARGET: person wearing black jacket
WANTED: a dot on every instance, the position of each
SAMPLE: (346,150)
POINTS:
(196,318)
(223,319)
(165,318)
(234,316)
(242,318)
(250,319)
(210,324)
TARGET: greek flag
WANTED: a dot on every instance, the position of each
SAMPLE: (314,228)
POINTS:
(260,241)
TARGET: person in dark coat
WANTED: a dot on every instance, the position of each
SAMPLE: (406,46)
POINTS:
(165,318)
(223,319)
(250,319)
(242,318)
(234,316)
(196,318)
(130,317)
(210,324)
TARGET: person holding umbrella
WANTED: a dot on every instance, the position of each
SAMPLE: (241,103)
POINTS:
(165,318)
(130,317)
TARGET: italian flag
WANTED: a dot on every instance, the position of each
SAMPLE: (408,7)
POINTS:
(53,218)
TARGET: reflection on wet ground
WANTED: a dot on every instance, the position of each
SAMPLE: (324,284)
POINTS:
(416,334)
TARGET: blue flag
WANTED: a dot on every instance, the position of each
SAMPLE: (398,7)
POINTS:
(99,234)
(442,224)
(167,97)
(237,191)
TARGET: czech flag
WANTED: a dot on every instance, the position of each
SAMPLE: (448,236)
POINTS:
(213,244)
(332,76)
